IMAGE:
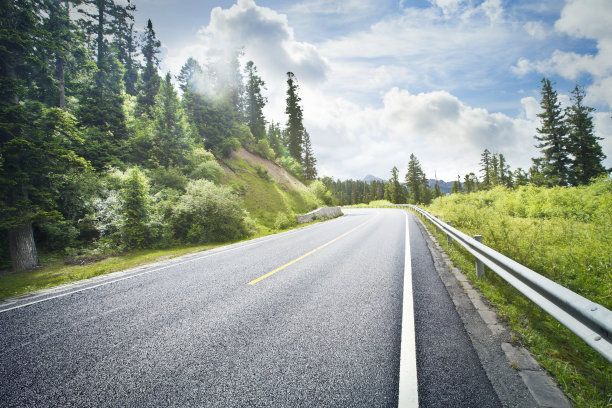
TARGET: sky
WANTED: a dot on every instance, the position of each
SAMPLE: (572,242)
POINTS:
(383,79)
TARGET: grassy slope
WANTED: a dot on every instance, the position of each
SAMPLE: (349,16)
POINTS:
(564,234)
(263,198)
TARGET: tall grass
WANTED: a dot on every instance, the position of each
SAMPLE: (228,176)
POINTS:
(564,234)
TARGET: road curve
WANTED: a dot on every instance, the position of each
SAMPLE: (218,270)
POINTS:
(311,317)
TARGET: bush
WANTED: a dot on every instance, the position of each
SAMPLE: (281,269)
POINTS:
(261,171)
(210,170)
(172,177)
(209,213)
(263,149)
(284,221)
(292,166)
(318,189)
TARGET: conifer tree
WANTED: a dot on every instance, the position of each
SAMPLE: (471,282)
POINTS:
(416,181)
(583,144)
(255,102)
(552,137)
(485,169)
(437,192)
(150,81)
(273,135)
(169,136)
(100,110)
(310,162)
(295,127)
(134,200)
(457,187)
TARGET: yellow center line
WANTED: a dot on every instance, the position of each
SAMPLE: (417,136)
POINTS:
(309,253)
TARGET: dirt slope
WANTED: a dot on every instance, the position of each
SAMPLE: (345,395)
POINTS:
(279,174)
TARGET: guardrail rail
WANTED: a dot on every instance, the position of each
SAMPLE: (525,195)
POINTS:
(590,321)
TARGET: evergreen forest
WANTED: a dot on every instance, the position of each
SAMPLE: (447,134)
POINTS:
(101,153)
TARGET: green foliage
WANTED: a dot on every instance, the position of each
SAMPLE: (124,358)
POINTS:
(295,125)
(553,137)
(255,102)
(418,186)
(583,144)
(320,191)
(134,207)
(209,213)
(263,149)
(284,221)
(290,164)
(562,233)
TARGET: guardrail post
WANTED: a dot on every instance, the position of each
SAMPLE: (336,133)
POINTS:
(479,265)
(449,240)
(436,225)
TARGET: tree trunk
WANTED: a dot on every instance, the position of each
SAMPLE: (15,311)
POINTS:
(22,247)
(62,85)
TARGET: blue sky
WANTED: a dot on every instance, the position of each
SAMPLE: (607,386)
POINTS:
(443,79)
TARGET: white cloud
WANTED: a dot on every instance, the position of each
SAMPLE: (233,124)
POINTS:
(536,29)
(522,67)
(588,19)
(445,134)
(266,37)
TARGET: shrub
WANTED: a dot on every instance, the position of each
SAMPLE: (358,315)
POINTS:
(209,213)
(284,221)
(263,149)
(318,189)
(210,170)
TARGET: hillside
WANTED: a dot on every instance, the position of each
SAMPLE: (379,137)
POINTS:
(270,194)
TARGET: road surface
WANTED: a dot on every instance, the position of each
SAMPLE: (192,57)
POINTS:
(310,317)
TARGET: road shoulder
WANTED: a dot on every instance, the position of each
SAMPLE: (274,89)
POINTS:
(517,378)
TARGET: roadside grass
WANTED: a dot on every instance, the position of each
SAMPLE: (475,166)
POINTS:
(55,272)
(564,234)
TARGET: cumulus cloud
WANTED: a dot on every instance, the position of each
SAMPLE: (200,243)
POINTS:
(266,37)
(588,19)
(444,133)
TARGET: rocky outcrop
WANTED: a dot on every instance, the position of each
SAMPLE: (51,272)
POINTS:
(319,213)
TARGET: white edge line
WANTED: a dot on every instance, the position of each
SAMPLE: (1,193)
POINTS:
(408,385)
(214,251)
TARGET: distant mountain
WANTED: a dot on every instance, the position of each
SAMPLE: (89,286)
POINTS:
(370,178)
(445,186)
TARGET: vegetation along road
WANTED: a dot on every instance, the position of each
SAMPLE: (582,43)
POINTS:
(318,316)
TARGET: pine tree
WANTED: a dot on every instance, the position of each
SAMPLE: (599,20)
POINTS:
(396,193)
(255,102)
(416,181)
(100,110)
(553,137)
(583,144)
(485,168)
(127,57)
(437,191)
(150,81)
(457,187)
(295,127)
(169,136)
(273,134)
(310,162)
(134,205)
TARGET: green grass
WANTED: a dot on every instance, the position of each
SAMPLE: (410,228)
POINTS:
(263,198)
(564,234)
(54,272)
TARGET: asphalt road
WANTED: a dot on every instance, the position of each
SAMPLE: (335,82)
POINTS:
(307,318)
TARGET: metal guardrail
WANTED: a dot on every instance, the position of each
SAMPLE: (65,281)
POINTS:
(590,321)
